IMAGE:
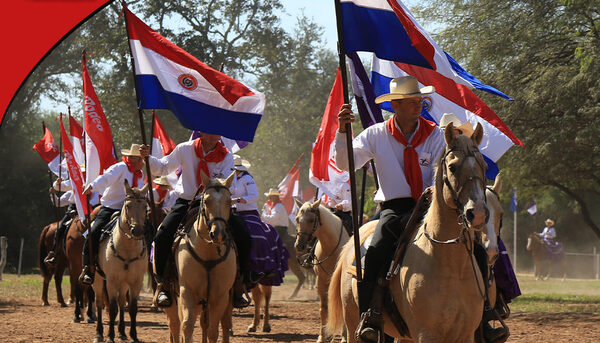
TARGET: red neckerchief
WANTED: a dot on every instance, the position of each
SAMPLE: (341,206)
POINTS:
(136,173)
(162,193)
(271,204)
(412,169)
(215,156)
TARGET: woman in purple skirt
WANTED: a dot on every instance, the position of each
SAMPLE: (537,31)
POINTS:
(268,255)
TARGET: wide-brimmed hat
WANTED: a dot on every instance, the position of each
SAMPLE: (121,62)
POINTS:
(466,128)
(404,87)
(272,191)
(549,222)
(162,181)
(134,151)
(240,164)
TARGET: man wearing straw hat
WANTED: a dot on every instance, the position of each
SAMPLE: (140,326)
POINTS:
(274,212)
(163,194)
(112,200)
(404,149)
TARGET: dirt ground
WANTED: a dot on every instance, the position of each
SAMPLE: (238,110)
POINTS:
(25,320)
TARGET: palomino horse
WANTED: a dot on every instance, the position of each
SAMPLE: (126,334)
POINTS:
(45,244)
(206,268)
(542,263)
(489,236)
(73,250)
(439,289)
(319,241)
(123,260)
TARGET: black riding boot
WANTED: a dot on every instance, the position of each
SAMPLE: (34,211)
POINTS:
(87,275)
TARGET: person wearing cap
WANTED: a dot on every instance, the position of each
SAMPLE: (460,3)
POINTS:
(164,196)
(66,199)
(207,154)
(459,128)
(113,197)
(268,254)
(273,212)
(405,148)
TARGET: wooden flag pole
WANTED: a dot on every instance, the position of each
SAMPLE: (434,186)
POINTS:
(53,196)
(342,65)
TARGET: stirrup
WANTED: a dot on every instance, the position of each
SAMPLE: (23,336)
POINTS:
(370,328)
(50,258)
(86,277)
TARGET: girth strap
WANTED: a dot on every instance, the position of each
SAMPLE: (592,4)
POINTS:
(207,264)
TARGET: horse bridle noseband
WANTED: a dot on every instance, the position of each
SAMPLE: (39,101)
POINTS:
(209,222)
(127,221)
(310,257)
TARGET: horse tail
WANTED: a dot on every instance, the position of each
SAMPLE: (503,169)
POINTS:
(43,252)
(335,320)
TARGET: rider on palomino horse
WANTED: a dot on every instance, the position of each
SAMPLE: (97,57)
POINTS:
(207,154)
(164,196)
(341,205)
(65,199)
(267,265)
(112,200)
(553,248)
(404,149)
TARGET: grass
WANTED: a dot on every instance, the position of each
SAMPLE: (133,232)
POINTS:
(28,285)
(554,295)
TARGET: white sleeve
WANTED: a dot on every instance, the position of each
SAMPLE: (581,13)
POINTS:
(63,200)
(167,164)
(65,185)
(251,196)
(362,150)
(110,176)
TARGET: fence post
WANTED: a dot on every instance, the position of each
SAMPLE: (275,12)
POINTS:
(596,264)
(3,247)
(20,257)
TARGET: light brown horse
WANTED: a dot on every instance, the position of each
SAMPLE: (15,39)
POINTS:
(543,265)
(260,293)
(123,259)
(439,289)
(73,251)
(319,241)
(206,268)
(48,271)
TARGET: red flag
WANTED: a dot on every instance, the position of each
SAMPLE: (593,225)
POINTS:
(98,138)
(288,188)
(308,194)
(74,172)
(76,133)
(162,145)
(48,151)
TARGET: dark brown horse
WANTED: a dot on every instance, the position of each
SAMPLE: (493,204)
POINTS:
(543,265)
(73,250)
(44,246)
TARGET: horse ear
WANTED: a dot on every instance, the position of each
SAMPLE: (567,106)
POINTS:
(229,179)
(127,187)
(497,184)
(298,203)
(449,134)
(204,178)
(316,204)
(144,189)
(477,136)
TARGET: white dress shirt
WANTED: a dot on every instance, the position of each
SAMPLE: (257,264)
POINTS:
(184,155)
(169,201)
(342,196)
(376,142)
(548,232)
(112,182)
(65,185)
(65,199)
(277,216)
(244,187)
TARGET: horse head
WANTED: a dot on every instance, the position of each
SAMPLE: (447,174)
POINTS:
(461,175)
(308,220)
(133,214)
(489,236)
(215,208)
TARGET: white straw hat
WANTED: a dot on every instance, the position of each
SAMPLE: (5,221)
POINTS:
(404,87)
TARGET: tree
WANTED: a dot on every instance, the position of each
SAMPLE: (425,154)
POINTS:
(544,54)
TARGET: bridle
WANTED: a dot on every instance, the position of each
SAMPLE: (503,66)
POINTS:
(128,235)
(309,259)
(202,214)
(127,220)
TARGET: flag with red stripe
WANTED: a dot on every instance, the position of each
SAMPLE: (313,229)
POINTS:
(74,173)
(48,151)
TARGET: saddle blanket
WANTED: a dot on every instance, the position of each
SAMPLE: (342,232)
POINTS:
(365,241)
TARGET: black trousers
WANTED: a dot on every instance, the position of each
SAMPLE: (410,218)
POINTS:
(62,227)
(100,222)
(393,218)
(346,218)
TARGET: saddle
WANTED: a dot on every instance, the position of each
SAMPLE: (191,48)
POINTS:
(108,229)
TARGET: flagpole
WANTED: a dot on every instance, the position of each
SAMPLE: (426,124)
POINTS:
(60,163)
(515,232)
(350,148)
(56,215)
(361,210)
(142,129)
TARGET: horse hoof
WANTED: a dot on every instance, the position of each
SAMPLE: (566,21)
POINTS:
(267,328)
(251,329)
(122,338)
(76,320)
(110,340)
(91,320)
(231,332)
(45,303)
(98,339)
(63,305)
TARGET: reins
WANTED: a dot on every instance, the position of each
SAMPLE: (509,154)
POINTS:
(310,257)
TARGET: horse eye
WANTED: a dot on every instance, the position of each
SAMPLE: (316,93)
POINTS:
(452,168)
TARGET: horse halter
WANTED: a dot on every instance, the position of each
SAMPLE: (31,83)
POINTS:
(129,234)
(472,178)
(209,222)
(311,240)
(309,259)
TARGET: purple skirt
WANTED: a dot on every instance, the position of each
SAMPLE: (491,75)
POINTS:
(268,253)
(554,250)
(506,280)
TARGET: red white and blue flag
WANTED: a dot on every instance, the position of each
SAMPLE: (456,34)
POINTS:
(48,151)
(323,173)
(76,135)
(202,98)
(98,138)
(74,173)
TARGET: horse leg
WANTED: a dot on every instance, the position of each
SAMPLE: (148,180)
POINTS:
(90,306)
(257,299)
(58,275)
(226,324)
(122,302)
(78,303)
(45,290)
(218,307)
(297,270)
(99,293)
(187,310)
(133,308)
(173,321)
(267,291)
(322,287)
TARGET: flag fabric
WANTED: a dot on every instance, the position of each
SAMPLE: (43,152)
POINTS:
(450,97)
(290,186)
(531,208)
(202,98)
(368,110)
(308,194)
(323,172)
(390,31)
(48,151)
(98,137)
(76,137)
(162,145)
(74,173)
(513,200)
